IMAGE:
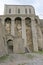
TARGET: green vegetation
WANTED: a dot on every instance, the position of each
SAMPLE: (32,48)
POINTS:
(40,52)
(21,64)
(20,52)
(3,58)
(30,56)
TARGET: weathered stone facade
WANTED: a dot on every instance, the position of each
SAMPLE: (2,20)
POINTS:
(20,30)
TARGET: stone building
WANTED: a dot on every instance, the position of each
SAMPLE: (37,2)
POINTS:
(21,30)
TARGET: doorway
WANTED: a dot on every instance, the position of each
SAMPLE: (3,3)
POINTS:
(10,46)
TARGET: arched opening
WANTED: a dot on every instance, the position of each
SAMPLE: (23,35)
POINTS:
(29,33)
(10,46)
(18,27)
(8,25)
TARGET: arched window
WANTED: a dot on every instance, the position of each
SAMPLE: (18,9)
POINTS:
(28,21)
(8,25)
(28,33)
(18,27)
(18,10)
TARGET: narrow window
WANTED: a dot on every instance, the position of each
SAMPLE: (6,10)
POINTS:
(36,21)
(30,11)
(18,10)
(9,10)
(26,11)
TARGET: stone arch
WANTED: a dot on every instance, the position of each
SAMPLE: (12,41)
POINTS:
(29,33)
(10,45)
(18,27)
(28,20)
(18,18)
(7,18)
(7,25)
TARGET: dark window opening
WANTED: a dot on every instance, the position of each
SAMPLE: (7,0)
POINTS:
(36,20)
(30,11)
(9,10)
(26,11)
(18,10)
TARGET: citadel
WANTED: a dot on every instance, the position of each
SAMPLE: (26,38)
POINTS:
(21,30)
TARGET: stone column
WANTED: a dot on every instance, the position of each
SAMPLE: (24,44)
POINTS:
(34,34)
(12,27)
(24,31)
(3,49)
(4,37)
(39,33)
(41,42)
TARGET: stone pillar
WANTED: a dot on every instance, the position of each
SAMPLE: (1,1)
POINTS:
(3,49)
(34,34)
(24,31)
(4,38)
(40,39)
(12,27)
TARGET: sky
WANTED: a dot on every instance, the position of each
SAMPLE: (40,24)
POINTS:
(37,4)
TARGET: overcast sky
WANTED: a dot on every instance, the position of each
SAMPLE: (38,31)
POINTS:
(37,4)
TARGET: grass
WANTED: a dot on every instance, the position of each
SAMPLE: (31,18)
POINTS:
(20,53)
(40,52)
(3,58)
(21,64)
(30,56)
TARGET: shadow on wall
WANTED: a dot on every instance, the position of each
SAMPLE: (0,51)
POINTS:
(27,50)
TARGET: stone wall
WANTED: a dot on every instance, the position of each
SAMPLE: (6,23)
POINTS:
(2,40)
(40,38)
(18,45)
